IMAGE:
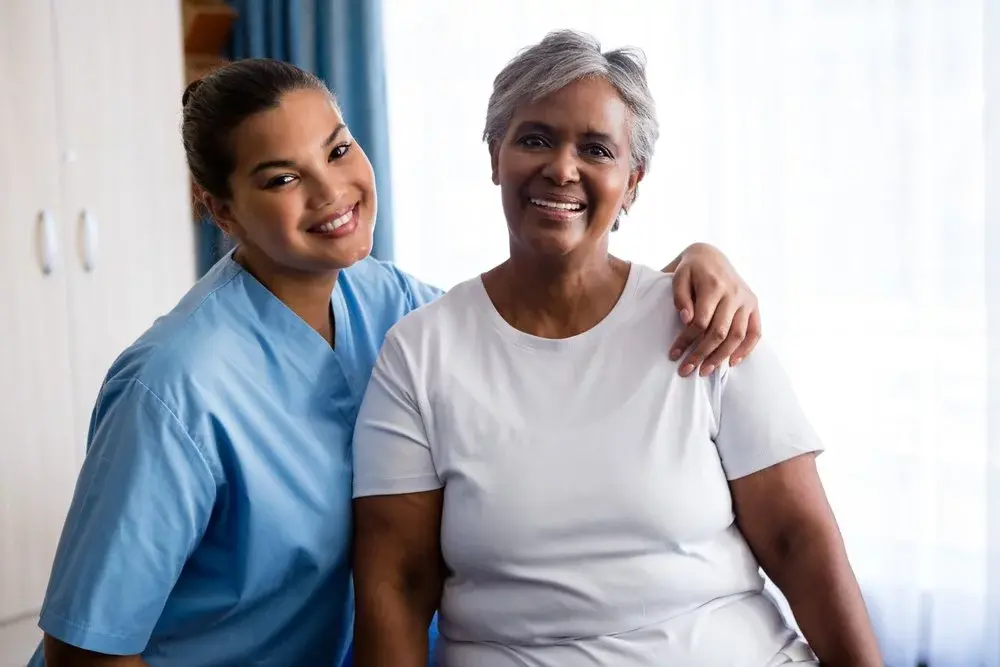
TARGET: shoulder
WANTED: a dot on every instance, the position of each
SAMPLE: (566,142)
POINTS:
(384,285)
(653,285)
(174,364)
(760,378)
(187,337)
(649,310)
(430,337)
(761,421)
(158,392)
(452,314)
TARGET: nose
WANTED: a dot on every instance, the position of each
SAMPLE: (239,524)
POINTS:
(324,190)
(562,167)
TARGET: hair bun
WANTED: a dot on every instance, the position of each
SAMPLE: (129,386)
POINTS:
(189,91)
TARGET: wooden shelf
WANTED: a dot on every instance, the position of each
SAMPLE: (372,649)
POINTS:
(206,26)
(198,65)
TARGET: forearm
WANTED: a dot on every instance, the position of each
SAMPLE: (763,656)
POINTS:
(390,627)
(816,578)
(59,654)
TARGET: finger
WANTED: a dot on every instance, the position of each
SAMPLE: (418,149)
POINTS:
(751,340)
(684,295)
(685,339)
(708,295)
(684,302)
(737,334)
(705,306)
(715,334)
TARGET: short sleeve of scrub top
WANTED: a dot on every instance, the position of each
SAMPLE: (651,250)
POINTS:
(760,420)
(114,571)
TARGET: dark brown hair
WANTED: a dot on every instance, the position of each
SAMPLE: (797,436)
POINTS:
(215,105)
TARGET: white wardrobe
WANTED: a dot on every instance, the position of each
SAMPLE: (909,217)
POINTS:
(96,241)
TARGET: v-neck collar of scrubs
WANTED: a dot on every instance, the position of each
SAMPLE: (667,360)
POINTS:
(298,333)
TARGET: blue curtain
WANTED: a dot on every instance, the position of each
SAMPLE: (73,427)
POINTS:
(341,42)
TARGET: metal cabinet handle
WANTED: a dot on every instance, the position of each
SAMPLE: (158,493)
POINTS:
(46,242)
(88,240)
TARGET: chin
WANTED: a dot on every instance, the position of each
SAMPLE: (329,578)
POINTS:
(342,258)
(362,242)
(551,243)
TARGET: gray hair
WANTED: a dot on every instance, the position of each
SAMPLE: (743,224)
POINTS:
(566,56)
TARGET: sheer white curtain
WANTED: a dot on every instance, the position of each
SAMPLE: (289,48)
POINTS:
(834,149)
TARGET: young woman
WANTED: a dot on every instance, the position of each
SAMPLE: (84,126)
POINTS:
(211,524)
(528,462)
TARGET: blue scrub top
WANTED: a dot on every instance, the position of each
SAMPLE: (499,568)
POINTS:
(211,522)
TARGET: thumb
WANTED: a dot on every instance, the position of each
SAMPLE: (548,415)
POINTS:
(683,295)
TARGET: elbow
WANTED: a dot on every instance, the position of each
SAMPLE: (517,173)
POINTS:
(787,542)
(409,588)
(421,583)
(790,546)
(805,557)
(397,556)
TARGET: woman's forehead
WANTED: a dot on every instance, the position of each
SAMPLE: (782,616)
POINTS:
(301,122)
(587,106)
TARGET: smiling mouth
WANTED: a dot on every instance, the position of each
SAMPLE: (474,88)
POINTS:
(557,205)
(334,223)
(557,210)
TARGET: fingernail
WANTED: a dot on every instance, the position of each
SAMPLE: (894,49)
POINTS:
(707,370)
(686,316)
(686,369)
(734,361)
(675,355)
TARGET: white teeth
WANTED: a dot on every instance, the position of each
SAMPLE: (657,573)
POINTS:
(336,224)
(562,206)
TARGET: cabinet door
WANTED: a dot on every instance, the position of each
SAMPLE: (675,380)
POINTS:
(127,200)
(37,462)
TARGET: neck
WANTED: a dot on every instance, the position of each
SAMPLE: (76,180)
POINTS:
(556,297)
(306,294)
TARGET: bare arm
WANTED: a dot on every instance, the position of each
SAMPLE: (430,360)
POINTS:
(60,654)
(785,517)
(398,575)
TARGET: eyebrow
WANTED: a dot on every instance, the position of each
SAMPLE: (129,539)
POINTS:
(286,164)
(548,129)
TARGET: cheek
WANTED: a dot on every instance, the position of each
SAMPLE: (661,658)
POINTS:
(513,169)
(273,219)
(362,176)
(512,186)
(510,200)
(610,188)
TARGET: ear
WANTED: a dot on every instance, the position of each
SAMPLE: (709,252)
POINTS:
(222,213)
(633,187)
(495,161)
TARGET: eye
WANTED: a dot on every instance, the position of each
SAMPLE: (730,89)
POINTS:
(339,151)
(533,141)
(279,181)
(598,151)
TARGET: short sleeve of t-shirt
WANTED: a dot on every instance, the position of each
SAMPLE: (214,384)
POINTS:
(142,501)
(391,452)
(760,421)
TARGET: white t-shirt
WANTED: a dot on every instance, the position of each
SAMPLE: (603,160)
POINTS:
(587,516)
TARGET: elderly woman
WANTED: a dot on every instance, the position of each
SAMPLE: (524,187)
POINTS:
(529,463)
